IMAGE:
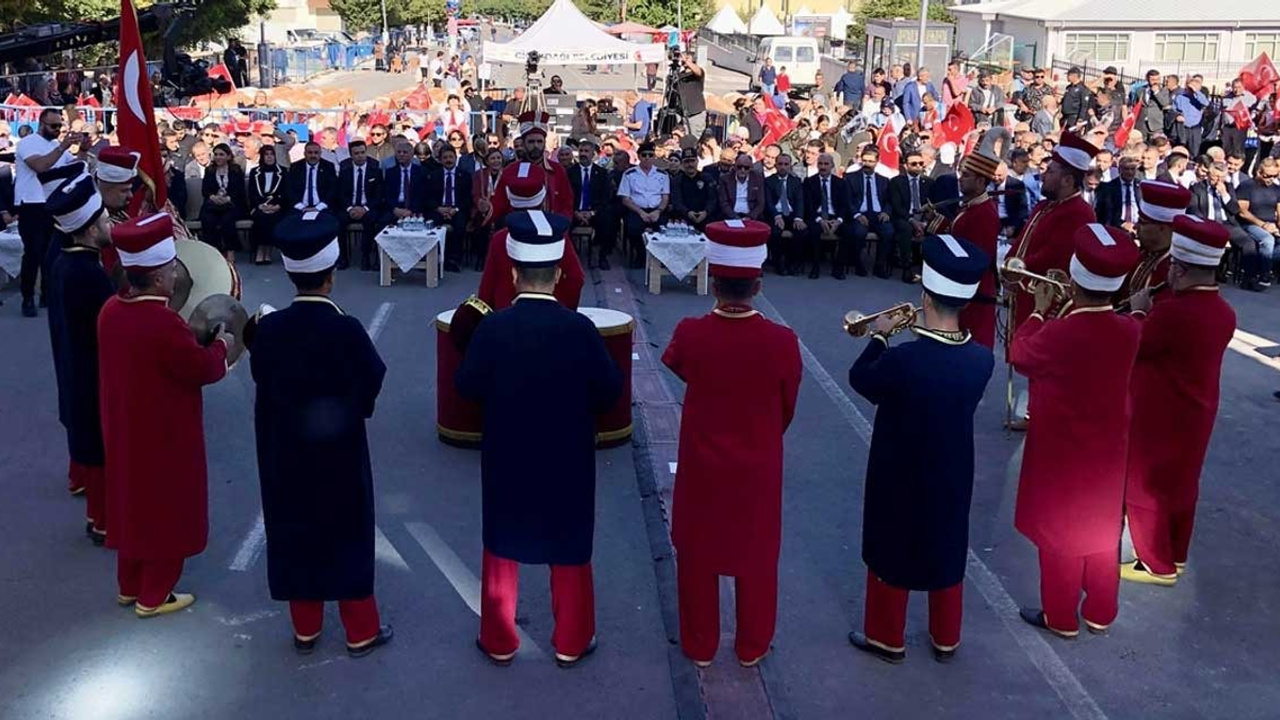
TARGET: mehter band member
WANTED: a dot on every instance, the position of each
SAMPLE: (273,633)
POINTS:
(541,373)
(151,374)
(78,288)
(1071,490)
(318,376)
(915,519)
(743,375)
(978,221)
(1175,401)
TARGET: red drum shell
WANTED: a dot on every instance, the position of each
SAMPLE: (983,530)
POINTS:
(613,428)
(458,420)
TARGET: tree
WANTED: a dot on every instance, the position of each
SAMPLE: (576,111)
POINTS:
(213,20)
(872,9)
(358,15)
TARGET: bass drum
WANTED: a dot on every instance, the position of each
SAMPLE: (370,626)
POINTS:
(613,428)
(458,420)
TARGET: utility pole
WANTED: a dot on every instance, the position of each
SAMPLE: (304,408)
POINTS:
(386,36)
(924,20)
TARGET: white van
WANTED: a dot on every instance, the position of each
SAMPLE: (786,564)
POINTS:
(799,55)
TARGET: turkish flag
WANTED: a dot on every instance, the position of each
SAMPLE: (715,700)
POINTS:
(1239,114)
(953,129)
(136,119)
(1259,76)
(889,151)
(776,126)
(1126,127)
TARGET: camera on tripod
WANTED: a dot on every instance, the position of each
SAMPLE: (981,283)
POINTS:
(531,62)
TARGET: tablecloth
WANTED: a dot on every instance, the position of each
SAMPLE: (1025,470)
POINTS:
(679,254)
(11,251)
(407,247)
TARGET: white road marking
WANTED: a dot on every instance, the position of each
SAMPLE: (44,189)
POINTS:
(1247,344)
(672,467)
(238,620)
(459,576)
(385,552)
(1079,702)
(251,547)
(635,356)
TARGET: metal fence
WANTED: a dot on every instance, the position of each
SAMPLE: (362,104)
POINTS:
(296,64)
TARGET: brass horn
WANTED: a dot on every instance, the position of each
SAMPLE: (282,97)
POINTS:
(859,325)
(1016,268)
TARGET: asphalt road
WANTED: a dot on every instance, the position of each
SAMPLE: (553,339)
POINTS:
(1204,649)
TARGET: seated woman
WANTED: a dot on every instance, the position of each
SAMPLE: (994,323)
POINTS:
(482,186)
(584,121)
(266,191)
(224,202)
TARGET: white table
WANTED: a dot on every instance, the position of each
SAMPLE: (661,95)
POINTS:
(410,250)
(675,255)
(10,253)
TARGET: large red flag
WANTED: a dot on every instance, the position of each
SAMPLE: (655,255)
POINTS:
(1260,76)
(136,119)
(955,126)
(1126,126)
(889,151)
(776,126)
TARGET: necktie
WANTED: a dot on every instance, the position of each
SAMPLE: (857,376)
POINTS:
(448,188)
(586,188)
(783,206)
(1128,202)
(311,202)
(915,194)
(404,184)
(826,197)
(866,203)
(1219,213)
(360,186)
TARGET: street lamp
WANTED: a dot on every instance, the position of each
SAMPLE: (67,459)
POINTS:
(924,19)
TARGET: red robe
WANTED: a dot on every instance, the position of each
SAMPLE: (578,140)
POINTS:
(1047,243)
(1175,397)
(498,290)
(979,223)
(743,375)
(151,371)
(559,199)
(1071,491)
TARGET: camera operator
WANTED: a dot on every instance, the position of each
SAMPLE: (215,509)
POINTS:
(689,83)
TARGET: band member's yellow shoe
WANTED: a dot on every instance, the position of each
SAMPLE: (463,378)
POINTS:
(126,600)
(1137,572)
(568,661)
(751,663)
(176,602)
(1182,568)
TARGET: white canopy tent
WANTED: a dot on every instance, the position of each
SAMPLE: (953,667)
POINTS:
(727,22)
(764,22)
(564,36)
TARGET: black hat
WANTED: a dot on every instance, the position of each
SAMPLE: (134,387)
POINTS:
(1075,71)
(689,154)
(645,146)
(308,241)
(1110,70)
(75,205)
(536,238)
(953,268)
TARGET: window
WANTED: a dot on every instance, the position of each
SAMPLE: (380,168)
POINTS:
(1192,47)
(781,54)
(804,54)
(1257,43)
(1098,47)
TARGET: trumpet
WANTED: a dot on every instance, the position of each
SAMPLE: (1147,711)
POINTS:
(859,325)
(1016,268)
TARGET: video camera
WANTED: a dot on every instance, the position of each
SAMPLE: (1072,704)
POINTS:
(531,62)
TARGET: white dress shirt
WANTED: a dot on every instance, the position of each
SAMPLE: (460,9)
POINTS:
(740,204)
(646,190)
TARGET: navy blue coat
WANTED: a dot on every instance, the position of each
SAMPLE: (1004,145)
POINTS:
(78,288)
(542,374)
(318,376)
(915,521)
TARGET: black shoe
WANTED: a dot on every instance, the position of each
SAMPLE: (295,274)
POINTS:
(304,647)
(29,308)
(98,538)
(814,273)
(910,277)
(384,636)
(860,270)
(837,272)
(943,656)
(499,660)
(1276,394)
(883,273)
(567,661)
(860,641)
(44,301)
(1035,618)
(451,266)
(365,265)
(783,271)
(604,262)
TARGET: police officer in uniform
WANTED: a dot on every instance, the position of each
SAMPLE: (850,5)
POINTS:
(645,191)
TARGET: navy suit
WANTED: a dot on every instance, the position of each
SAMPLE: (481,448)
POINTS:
(882,228)
(346,198)
(816,210)
(414,200)
(784,254)
(436,198)
(318,376)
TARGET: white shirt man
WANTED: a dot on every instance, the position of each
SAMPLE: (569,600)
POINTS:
(740,205)
(645,189)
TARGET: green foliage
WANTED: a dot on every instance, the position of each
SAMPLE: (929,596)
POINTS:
(358,15)
(887,9)
(657,13)
(212,21)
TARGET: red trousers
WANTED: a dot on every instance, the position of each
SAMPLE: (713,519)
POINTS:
(1063,577)
(359,618)
(1160,537)
(885,620)
(755,607)
(150,581)
(572,603)
(94,481)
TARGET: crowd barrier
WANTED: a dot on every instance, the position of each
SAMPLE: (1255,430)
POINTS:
(296,64)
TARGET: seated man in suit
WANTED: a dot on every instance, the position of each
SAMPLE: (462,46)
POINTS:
(359,200)
(692,197)
(784,207)
(1118,200)
(869,198)
(311,183)
(741,192)
(449,203)
(826,201)
(907,194)
(1214,199)
(592,206)
(404,187)
(1012,204)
